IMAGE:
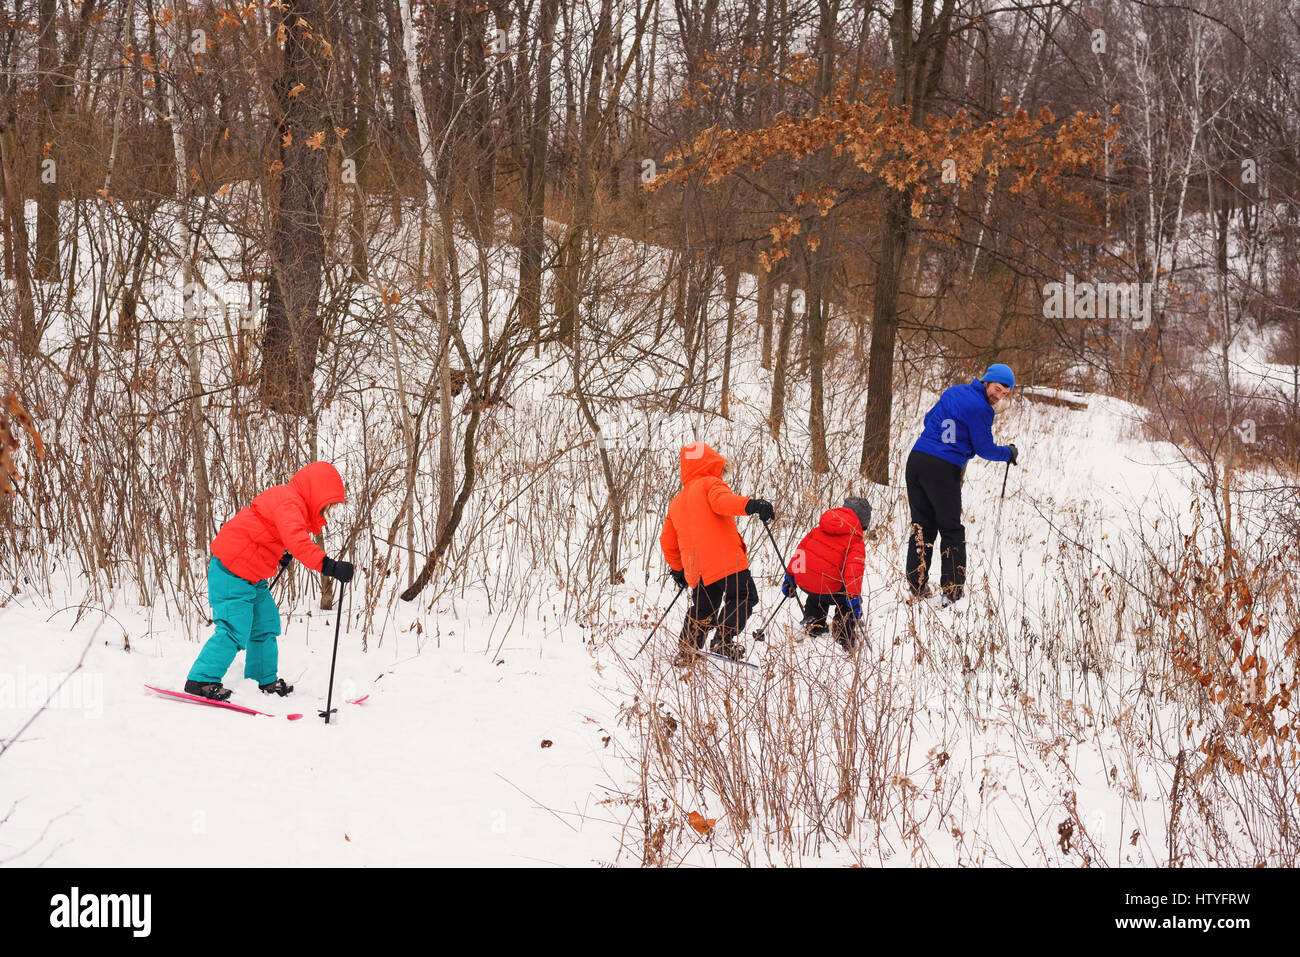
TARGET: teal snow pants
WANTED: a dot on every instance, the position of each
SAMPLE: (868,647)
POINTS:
(247,620)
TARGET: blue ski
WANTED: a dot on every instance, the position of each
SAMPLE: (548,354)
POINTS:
(730,661)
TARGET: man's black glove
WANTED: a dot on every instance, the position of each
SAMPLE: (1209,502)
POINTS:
(679,576)
(762,509)
(1015,453)
(285,559)
(340,570)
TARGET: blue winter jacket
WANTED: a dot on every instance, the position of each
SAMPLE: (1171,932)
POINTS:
(961,426)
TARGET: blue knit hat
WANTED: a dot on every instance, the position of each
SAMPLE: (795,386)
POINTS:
(1002,374)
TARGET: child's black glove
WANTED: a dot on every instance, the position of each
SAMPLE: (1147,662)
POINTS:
(339,570)
(762,509)
(285,559)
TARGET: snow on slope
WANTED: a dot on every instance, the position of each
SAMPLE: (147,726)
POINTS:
(442,765)
(996,795)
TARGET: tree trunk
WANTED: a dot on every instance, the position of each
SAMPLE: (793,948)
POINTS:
(572,274)
(446,460)
(534,244)
(819,258)
(895,226)
(777,414)
(764,281)
(292,336)
(733,284)
(918,67)
(192,296)
(357,226)
(26,333)
(47,189)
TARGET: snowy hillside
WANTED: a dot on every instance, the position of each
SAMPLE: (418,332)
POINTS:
(1025,728)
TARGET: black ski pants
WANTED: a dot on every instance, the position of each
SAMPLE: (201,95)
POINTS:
(725,603)
(817,607)
(934,497)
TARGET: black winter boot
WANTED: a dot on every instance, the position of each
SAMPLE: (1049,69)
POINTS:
(277,687)
(727,647)
(207,689)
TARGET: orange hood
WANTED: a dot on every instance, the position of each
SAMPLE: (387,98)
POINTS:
(698,460)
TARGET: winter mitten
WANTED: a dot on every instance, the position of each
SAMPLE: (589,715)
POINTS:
(285,559)
(679,576)
(855,607)
(762,509)
(1015,453)
(788,588)
(340,570)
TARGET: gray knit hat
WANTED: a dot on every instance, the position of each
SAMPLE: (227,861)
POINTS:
(862,509)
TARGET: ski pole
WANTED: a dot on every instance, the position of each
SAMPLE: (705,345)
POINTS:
(768,528)
(660,621)
(1002,500)
(338,620)
(761,634)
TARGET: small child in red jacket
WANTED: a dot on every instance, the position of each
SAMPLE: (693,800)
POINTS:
(277,524)
(828,565)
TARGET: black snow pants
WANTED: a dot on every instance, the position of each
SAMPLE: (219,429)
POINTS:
(934,497)
(817,607)
(725,603)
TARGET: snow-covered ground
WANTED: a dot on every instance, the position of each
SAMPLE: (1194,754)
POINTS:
(445,763)
(1035,724)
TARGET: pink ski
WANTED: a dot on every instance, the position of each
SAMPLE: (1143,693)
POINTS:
(216,704)
(360,700)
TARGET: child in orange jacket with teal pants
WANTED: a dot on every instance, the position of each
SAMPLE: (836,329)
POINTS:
(275,526)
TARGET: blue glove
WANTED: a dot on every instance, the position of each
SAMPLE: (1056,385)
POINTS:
(855,607)
(788,588)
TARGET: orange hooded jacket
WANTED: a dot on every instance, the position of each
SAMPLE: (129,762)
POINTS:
(700,535)
(282,517)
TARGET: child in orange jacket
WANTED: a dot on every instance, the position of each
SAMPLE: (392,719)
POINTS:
(705,551)
(276,525)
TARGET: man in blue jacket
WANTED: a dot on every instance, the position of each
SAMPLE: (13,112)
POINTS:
(959,427)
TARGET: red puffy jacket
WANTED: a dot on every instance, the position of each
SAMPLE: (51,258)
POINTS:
(699,535)
(831,557)
(282,517)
